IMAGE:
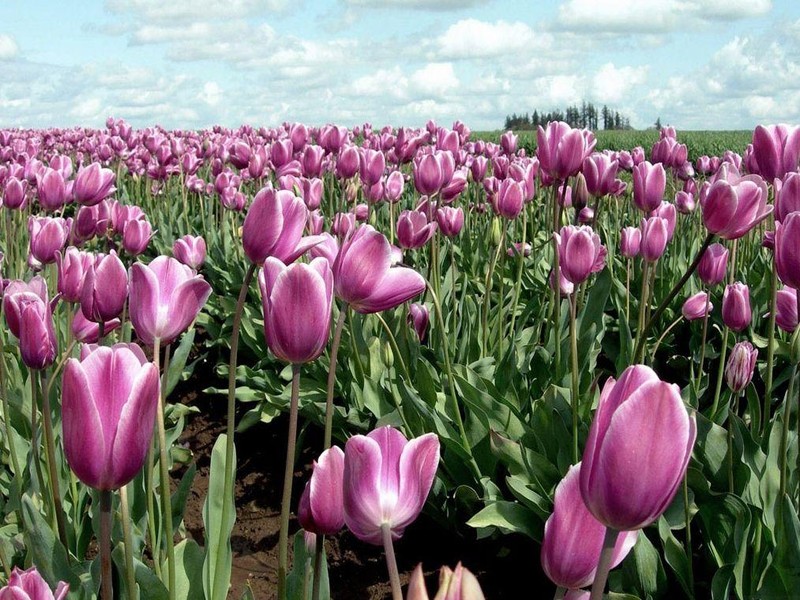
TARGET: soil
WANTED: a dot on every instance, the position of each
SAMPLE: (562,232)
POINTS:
(356,570)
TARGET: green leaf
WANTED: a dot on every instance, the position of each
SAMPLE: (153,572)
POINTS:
(178,499)
(46,551)
(178,361)
(148,585)
(675,555)
(787,542)
(642,570)
(509,517)
(189,558)
(299,581)
(217,573)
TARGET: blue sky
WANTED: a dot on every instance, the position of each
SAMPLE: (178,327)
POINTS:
(697,64)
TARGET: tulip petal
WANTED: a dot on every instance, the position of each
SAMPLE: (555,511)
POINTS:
(144,302)
(84,440)
(362,495)
(418,464)
(326,490)
(363,259)
(398,285)
(184,305)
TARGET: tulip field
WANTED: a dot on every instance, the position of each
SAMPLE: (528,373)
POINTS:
(584,354)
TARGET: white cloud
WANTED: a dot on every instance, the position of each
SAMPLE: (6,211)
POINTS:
(182,11)
(8,47)
(434,80)
(431,5)
(612,85)
(471,38)
(212,93)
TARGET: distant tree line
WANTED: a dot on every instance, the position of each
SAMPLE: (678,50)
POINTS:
(586,115)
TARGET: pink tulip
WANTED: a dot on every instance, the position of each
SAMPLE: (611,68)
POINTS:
(630,241)
(418,318)
(413,229)
(740,367)
(573,538)
(428,176)
(274,227)
(386,481)
(580,252)
(459,584)
(640,420)
(347,163)
(93,184)
(14,194)
(109,400)
(600,173)
(11,309)
(72,267)
(166,297)
(787,195)
(517,248)
(364,276)
(30,585)
(395,184)
(136,236)
(697,306)
(510,199)
(684,202)
(736,311)
(649,183)
(372,166)
(450,220)
(787,250)
(105,288)
(297,302)
(51,189)
(655,235)
(321,508)
(30,318)
(561,149)
(732,210)
(786,309)
(190,250)
(48,235)
(508,142)
(713,264)
(776,150)
(87,331)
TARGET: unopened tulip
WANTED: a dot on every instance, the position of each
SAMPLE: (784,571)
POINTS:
(51,189)
(11,309)
(48,235)
(428,176)
(372,165)
(136,236)
(364,276)
(297,302)
(561,149)
(72,266)
(343,224)
(630,241)
(413,229)
(600,173)
(732,210)
(580,252)
(668,212)
(105,288)
(30,585)
(696,306)
(787,250)
(14,193)
(274,227)
(108,427)
(395,184)
(517,248)
(166,297)
(786,309)
(649,183)
(510,199)
(640,420)
(508,142)
(93,184)
(190,250)
(787,195)
(586,215)
(386,481)
(321,508)
(740,367)
(684,202)
(654,238)
(418,318)
(573,538)
(30,319)
(347,163)
(736,311)
(450,220)
(713,264)
(459,584)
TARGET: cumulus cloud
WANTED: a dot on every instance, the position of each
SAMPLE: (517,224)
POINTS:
(612,84)
(471,38)
(430,5)
(8,47)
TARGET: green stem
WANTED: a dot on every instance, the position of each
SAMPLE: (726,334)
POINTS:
(556,310)
(106,581)
(573,339)
(688,541)
(395,347)
(604,566)
(127,535)
(50,459)
(773,291)
(661,338)
(166,503)
(784,445)
(337,340)
(487,298)
(518,280)
(283,541)
(720,372)
(155,544)
(6,413)
(318,553)
(391,562)
(643,302)
(703,345)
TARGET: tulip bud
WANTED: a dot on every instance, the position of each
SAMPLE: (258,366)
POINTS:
(654,238)
(136,236)
(418,318)
(736,312)
(713,265)
(630,241)
(190,250)
(105,288)
(450,220)
(453,585)
(684,202)
(48,235)
(731,210)
(93,185)
(516,248)
(649,183)
(580,252)
(321,508)
(72,267)
(14,194)
(51,189)
(697,306)
(413,229)
(740,367)
(30,585)
(787,250)
(786,309)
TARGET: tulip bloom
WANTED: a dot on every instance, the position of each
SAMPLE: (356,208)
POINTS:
(696,306)
(713,265)
(649,183)
(48,235)
(418,318)
(736,311)
(561,149)
(732,210)
(72,267)
(460,584)
(321,508)
(297,302)
(93,184)
(787,195)
(364,276)
(684,202)
(654,238)
(14,193)
(386,481)
(413,229)
(29,318)
(600,174)
(776,150)
(105,288)
(786,309)
(640,420)
(108,427)
(573,538)
(190,250)
(30,585)
(136,236)
(510,199)
(787,250)
(166,297)
(740,367)
(450,220)
(428,176)
(580,253)
(630,241)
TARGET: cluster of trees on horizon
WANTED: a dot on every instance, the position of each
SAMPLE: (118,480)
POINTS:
(586,116)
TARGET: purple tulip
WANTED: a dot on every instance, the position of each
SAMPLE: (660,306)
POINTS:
(655,235)
(166,297)
(510,199)
(372,166)
(93,184)
(732,210)
(630,241)
(740,367)
(274,227)
(347,163)
(573,538)
(697,306)
(640,420)
(105,288)
(30,318)
(418,318)
(51,189)
(297,302)
(450,220)
(776,150)
(395,184)
(343,224)
(459,584)
(787,250)
(30,585)
(786,309)
(684,202)
(414,230)
(14,194)
(561,149)
(48,235)
(428,176)
(600,173)
(321,508)
(109,400)
(87,331)
(386,481)
(12,309)
(190,250)
(736,312)
(649,183)
(713,264)
(508,142)
(516,248)
(136,236)
(580,253)
(72,267)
